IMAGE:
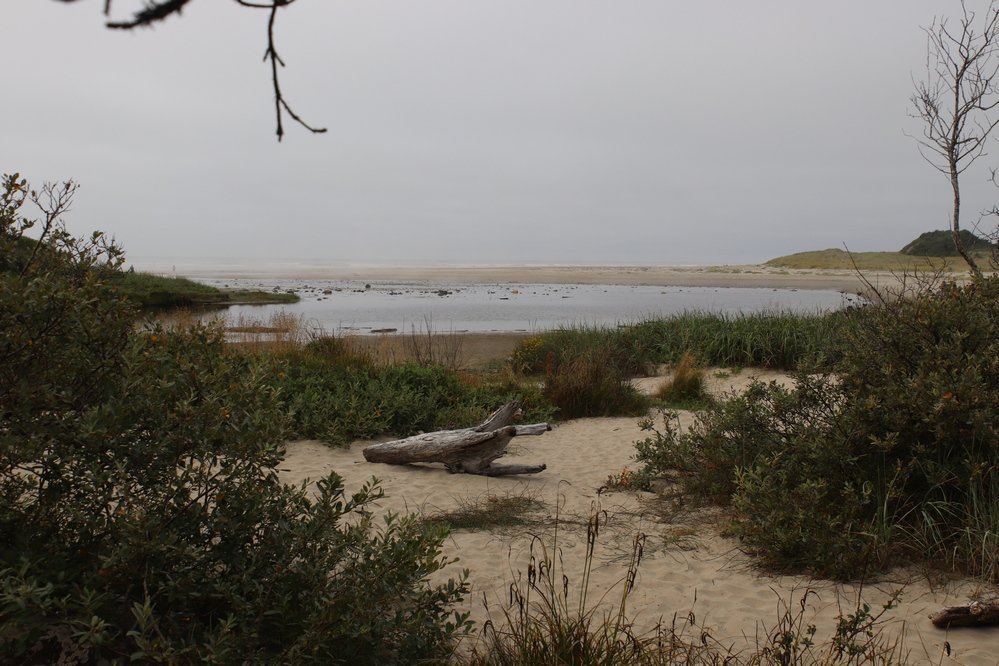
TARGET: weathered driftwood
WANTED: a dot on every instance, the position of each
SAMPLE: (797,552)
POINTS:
(975,614)
(471,450)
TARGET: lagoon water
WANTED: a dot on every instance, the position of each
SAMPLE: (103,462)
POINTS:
(342,306)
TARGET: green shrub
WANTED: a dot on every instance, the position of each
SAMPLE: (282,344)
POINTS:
(892,457)
(142,515)
(336,394)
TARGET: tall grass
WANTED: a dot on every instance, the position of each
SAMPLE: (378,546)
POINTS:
(781,340)
(592,383)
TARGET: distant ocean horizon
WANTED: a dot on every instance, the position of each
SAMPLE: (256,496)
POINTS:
(252,267)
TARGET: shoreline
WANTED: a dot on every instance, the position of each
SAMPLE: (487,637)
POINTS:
(753,276)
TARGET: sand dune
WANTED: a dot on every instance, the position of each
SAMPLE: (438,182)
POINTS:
(688,565)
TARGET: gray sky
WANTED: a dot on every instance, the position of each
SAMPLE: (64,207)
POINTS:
(484,131)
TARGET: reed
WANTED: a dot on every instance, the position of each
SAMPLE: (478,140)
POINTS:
(774,339)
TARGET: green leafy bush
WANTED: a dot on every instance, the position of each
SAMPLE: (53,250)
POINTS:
(142,515)
(893,456)
(334,394)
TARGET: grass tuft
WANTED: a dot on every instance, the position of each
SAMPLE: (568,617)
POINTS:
(686,385)
(490,511)
(592,384)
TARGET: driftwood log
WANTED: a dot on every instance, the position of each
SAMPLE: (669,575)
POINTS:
(976,614)
(471,450)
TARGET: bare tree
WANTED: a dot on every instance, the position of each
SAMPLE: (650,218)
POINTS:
(956,101)
(154,11)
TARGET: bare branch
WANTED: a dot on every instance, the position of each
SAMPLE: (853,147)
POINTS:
(54,201)
(159,10)
(956,99)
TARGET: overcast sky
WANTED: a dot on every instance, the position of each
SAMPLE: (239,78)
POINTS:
(484,131)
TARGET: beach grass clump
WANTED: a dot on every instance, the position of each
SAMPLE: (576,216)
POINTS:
(592,383)
(142,513)
(685,386)
(891,457)
(540,353)
(490,511)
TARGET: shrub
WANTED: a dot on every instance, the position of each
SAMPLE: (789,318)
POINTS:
(892,457)
(592,384)
(142,513)
(337,394)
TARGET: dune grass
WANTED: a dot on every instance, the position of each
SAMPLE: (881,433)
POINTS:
(836,259)
(490,511)
(779,340)
(685,386)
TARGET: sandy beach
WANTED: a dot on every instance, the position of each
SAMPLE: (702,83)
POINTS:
(673,276)
(689,567)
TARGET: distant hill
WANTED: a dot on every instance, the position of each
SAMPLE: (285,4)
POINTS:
(869,261)
(941,244)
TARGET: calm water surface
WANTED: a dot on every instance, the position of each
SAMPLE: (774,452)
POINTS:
(359,307)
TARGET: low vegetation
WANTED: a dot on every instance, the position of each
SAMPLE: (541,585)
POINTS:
(837,259)
(931,252)
(551,618)
(142,515)
(491,511)
(781,340)
(332,391)
(941,244)
(890,457)
(592,382)
(150,291)
(685,385)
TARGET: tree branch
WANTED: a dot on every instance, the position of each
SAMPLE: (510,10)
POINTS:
(160,10)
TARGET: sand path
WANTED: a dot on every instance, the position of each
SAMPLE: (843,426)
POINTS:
(688,566)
